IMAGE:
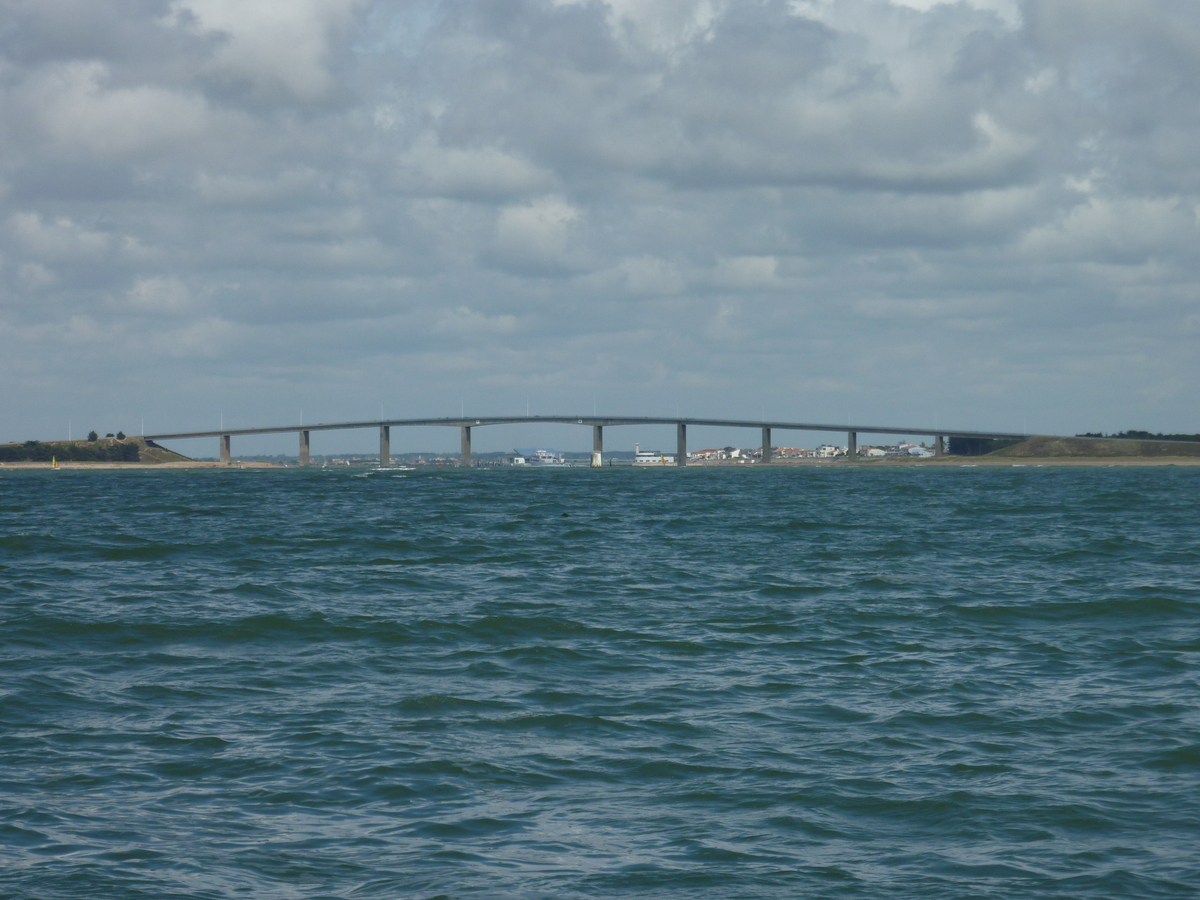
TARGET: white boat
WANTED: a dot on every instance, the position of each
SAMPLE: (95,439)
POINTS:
(539,458)
(651,457)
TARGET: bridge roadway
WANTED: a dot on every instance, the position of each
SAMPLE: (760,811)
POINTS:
(597,424)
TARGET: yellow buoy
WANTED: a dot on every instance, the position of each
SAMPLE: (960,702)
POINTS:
(54,462)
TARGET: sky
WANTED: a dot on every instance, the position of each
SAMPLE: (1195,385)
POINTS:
(977,214)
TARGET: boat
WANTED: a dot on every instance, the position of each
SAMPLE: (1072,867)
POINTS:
(538,458)
(651,457)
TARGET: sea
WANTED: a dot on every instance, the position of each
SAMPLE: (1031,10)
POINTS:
(819,682)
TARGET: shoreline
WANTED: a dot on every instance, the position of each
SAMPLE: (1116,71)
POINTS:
(935,462)
(90,466)
(1010,461)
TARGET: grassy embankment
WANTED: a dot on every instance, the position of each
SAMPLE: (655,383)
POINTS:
(1096,448)
(104,450)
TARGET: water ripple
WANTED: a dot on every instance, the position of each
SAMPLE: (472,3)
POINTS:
(903,683)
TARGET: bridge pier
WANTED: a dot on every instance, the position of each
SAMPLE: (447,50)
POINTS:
(465,461)
(385,445)
(597,446)
(939,445)
(225,449)
(851,445)
(304,446)
(680,444)
(766,445)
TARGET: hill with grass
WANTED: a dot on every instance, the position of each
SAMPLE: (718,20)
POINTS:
(129,450)
(1039,447)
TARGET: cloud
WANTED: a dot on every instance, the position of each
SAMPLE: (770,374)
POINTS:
(1118,232)
(240,189)
(465,322)
(159,295)
(667,27)
(36,276)
(475,173)
(272,45)
(537,237)
(204,338)
(983,198)
(648,275)
(59,239)
(80,113)
(1008,10)
(747,273)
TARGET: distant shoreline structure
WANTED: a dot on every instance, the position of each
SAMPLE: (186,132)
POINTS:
(136,452)
(957,462)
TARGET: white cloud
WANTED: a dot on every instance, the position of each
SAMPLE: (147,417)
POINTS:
(272,43)
(649,275)
(538,235)
(471,173)
(159,295)
(747,273)
(1008,10)
(1118,231)
(59,239)
(667,26)
(35,276)
(81,113)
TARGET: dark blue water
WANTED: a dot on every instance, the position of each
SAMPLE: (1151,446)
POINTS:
(702,683)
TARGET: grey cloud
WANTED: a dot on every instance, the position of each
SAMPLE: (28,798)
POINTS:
(985,209)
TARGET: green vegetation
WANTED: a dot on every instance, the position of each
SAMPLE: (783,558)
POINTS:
(92,436)
(71,451)
(1099,448)
(1143,436)
(969,446)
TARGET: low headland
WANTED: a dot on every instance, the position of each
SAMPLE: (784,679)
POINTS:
(102,453)
(1067,451)
(1042,450)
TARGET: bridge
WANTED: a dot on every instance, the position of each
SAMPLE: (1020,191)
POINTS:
(597,424)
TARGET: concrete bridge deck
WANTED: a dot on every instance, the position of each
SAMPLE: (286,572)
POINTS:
(597,423)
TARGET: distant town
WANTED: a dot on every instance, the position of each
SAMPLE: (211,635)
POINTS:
(535,458)
(118,450)
(824,451)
